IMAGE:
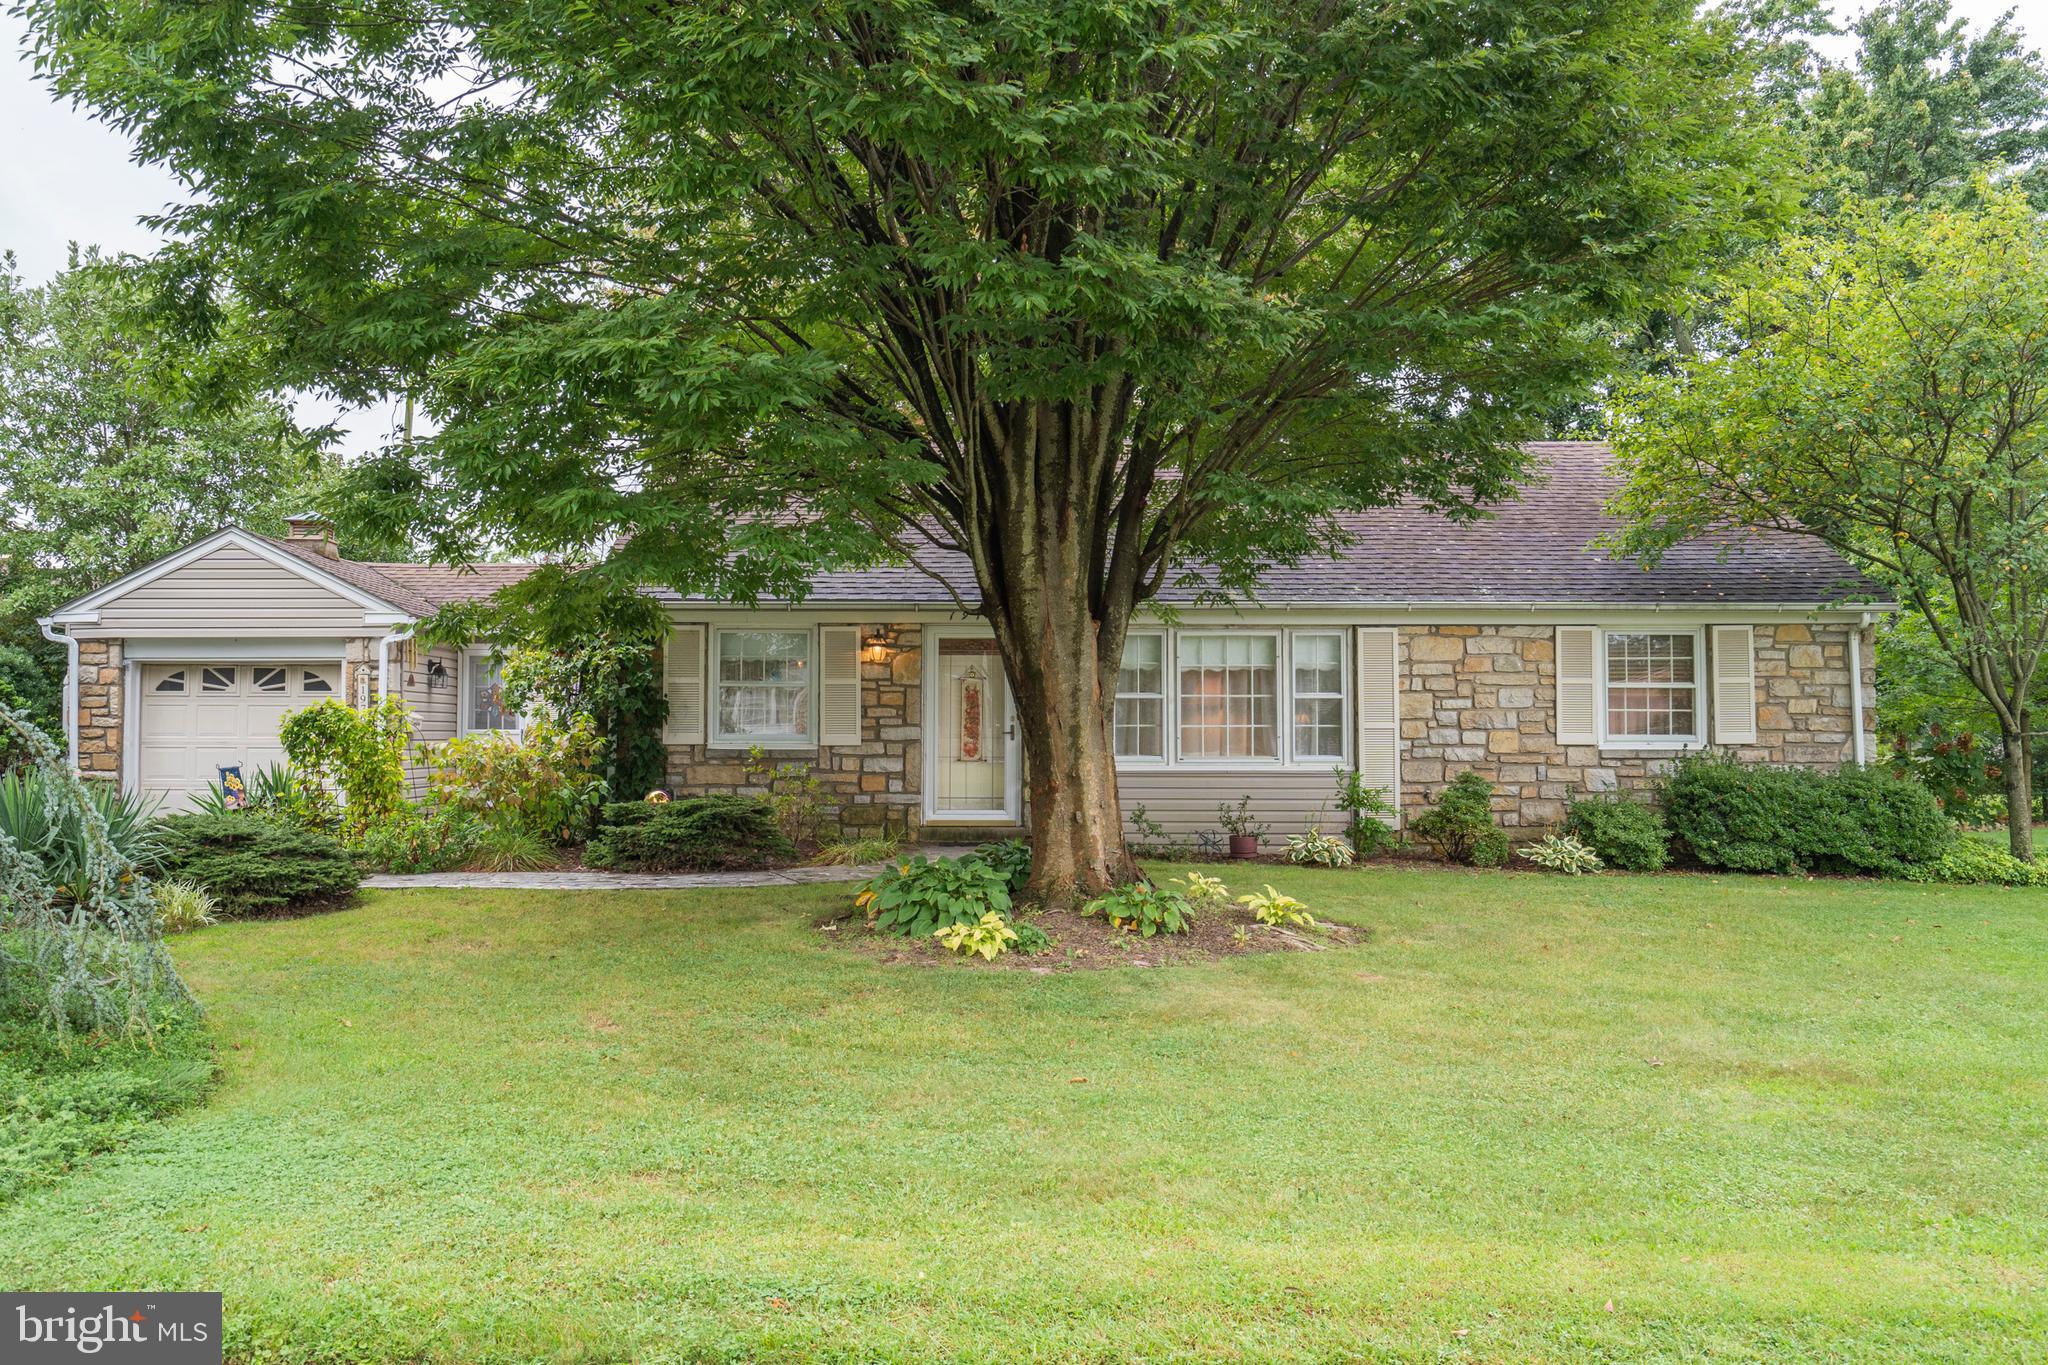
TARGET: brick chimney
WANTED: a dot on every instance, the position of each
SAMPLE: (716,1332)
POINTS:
(314,532)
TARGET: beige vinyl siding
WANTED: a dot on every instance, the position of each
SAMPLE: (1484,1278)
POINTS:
(1184,800)
(229,592)
(435,710)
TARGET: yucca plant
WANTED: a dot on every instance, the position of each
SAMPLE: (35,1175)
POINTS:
(50,830)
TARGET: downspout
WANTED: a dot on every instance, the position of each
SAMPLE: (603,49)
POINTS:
(70,688)
(396,637)
(1856,687)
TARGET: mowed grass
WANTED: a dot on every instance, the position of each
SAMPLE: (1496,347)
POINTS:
(1533,1118)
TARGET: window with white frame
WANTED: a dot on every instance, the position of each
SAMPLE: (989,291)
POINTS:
(1319,728)
(1229,696)
(1140,721)
(486,701)
(762,682)
(1653,689)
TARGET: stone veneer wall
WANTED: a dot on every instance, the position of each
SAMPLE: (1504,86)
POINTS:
(881,778)
(1485,698)
(101,698)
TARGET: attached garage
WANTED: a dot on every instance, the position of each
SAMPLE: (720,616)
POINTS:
(199,716)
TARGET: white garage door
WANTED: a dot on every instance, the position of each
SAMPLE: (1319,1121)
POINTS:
(198,718)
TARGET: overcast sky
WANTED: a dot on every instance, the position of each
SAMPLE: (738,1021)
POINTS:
(65,177)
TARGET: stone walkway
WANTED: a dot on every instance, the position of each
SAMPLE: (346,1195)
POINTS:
(643,881)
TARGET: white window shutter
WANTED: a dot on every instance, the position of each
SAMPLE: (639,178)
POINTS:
(839,685)
(1734,685)
(1379,712)
(682,679)
(1578,685)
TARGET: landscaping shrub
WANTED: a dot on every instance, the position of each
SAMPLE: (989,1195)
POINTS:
(1750,818)
(248,863)
(541,781)
(358,752)
(922,896)
(1626,834)
(699,833)
(1974,862)
(1460,825)
(420,838)
(1145,909)
(1562,853)
(1490,848)
(1365,804)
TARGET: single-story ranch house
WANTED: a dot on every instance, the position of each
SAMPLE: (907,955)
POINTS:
(1507,645)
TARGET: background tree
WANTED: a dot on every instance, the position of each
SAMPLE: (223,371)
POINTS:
(1890,396)
(1926,109)
(122,438)
(1920,111)
(1088,293)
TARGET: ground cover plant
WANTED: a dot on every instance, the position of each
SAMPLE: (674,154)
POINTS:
(60,1105)
(1764,1120)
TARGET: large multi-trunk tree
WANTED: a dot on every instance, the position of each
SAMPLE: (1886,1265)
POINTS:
(1097,294)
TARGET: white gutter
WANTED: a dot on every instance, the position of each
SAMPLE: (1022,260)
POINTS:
(396,637)
(1856,687)
(70,689)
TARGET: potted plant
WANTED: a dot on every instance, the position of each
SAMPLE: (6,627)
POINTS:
(1243,830)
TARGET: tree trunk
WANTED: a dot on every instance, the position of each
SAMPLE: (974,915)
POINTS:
(1077,825)
(2019,788)
(1057,647)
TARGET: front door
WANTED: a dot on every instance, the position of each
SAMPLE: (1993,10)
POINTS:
(970,734)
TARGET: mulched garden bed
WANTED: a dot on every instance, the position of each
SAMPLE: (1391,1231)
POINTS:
(1089,942)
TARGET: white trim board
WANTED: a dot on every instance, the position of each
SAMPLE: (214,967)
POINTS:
(170,649)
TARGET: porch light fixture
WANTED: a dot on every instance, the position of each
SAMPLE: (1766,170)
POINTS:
(879,642)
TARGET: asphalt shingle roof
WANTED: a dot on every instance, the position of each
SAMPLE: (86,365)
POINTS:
(1534,550)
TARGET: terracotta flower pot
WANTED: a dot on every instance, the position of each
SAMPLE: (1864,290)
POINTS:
(1244,845)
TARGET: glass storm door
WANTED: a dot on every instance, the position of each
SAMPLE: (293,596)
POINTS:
(970,734)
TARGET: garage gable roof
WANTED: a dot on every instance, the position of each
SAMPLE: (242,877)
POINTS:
(333,575)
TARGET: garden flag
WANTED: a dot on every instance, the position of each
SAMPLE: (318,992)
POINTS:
(233,794)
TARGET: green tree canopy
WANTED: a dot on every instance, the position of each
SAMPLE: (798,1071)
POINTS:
(123,438)
(1095,293)
(1890,396)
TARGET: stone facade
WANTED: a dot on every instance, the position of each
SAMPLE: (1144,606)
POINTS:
(879,780)
(1484,698)
(101,700)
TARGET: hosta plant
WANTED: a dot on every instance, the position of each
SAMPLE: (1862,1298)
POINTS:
(919,897)
(988,936)
(1275,908)
(1145,909)
(1317,849)
(1562,853)
(1203,893)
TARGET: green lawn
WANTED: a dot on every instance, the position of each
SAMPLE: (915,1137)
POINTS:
(1615,1118)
